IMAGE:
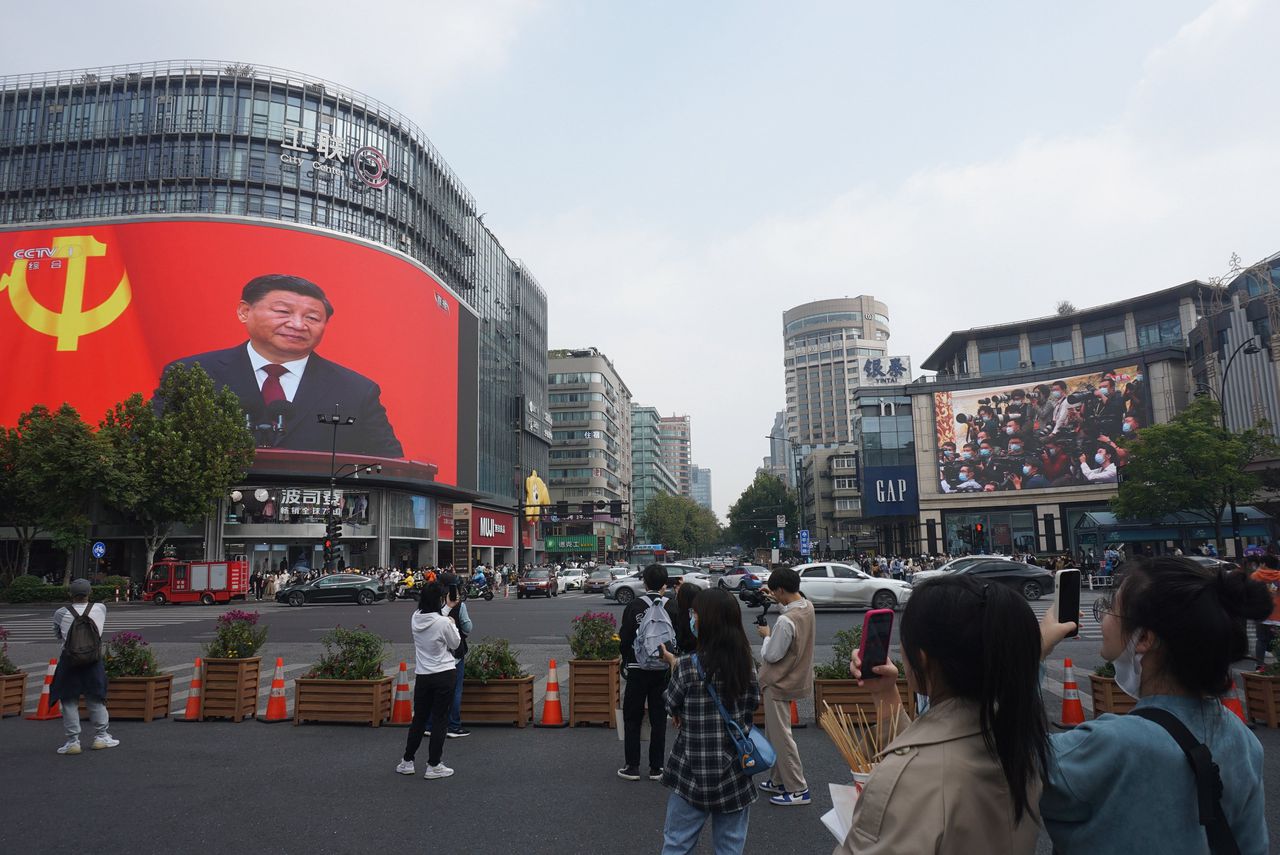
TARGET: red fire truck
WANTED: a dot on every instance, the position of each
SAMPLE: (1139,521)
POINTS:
(207,582)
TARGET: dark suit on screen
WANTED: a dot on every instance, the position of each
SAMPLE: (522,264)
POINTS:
(322,385)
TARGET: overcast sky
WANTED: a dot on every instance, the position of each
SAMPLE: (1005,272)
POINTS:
(677,174)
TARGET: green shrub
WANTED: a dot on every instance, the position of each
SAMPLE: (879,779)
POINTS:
(350,654)
(1106,669)
(6,664)
(27,581)
(492,659)
(846,641)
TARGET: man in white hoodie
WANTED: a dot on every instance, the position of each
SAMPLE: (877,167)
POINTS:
(435,636)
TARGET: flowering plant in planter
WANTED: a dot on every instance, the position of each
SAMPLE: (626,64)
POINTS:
(237,636)
(128,655)
(595,636)
(492,659)
(6,664)
(350,654)
(845,642)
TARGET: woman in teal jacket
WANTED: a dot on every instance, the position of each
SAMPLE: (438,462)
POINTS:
(1121,784)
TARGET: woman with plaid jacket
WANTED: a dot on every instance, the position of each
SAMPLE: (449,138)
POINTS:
(703,773)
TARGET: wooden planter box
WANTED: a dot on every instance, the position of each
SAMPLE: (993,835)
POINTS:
(498,701)
(140,698)
(594,686)
(848,697)
(1262,697)
(350,701)
(230,688)
(1107,697)
(13,689)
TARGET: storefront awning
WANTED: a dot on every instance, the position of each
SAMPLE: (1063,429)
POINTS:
(1112,529)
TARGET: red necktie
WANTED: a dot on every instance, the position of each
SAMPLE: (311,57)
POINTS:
(272,391)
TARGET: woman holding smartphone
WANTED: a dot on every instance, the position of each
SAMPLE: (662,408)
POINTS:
(435,636)
(965,776)
(1173,629)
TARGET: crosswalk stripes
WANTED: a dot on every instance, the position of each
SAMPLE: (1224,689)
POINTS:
(39,628)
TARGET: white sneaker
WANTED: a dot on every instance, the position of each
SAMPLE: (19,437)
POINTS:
(104,741)
(405,767)
(438,771)
(72,747)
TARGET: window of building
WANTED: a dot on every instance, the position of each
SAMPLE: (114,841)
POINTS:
(844,463)
(1051,346)
(999,355)
(846,483)
(1104,337)
(1168,329)
(848,504)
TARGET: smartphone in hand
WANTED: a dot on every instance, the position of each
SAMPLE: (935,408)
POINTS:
(1066,598)
(877,626)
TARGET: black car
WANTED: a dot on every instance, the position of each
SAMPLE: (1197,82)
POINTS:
(1027,579)
(337,588)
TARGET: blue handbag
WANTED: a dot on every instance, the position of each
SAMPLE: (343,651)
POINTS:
(755,754)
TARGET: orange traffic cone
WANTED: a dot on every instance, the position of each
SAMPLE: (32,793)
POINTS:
(46,709)
(192,712)
(402,706)
(552,715)
(1231,700)
(795,717)
(1072,709)
(277,706)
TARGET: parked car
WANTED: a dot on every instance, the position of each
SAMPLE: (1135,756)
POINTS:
(572,579)
(734,576)
(626,589)
(535,582)
(955,564)
(597,582)
(831,583)
(623,571)
(1029,580)
(337,588)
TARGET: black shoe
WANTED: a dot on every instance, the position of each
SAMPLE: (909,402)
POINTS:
(655,773)
(629,773)
(456,732)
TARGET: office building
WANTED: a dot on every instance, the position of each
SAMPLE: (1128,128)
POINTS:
(677,440)
(701,486)
(590,458)
(780,462)
(649,475)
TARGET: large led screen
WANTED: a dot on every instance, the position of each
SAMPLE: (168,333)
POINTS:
(297,323)
(1066,432)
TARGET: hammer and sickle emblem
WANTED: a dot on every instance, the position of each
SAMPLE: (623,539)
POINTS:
(73,320)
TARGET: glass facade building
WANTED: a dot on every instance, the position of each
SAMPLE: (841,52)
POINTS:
(187,139)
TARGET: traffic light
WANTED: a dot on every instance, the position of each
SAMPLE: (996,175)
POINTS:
(562,509)
(615,509)
(978,528)
(588,509)
(332,536)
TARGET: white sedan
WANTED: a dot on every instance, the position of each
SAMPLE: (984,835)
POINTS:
(831,583)
(572,579)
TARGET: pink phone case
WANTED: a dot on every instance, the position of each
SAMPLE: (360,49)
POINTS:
(867,619)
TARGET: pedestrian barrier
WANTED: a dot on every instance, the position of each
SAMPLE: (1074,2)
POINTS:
(46,710)
(1231,700)
(1072,709)
(192,712)
(402,705)
(277,706)
(552,714)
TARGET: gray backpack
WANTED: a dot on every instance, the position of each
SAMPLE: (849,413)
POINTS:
(655,630)
(84,641)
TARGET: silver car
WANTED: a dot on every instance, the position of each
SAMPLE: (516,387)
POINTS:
(626,589)
(831,583)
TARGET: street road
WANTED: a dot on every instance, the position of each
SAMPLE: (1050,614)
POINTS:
(250,787)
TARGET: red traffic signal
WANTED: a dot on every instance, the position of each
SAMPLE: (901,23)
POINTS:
(978,528)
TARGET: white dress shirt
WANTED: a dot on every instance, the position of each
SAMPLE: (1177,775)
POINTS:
(289,380)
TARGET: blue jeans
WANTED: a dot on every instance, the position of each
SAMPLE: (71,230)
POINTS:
(684,824)
(455,709)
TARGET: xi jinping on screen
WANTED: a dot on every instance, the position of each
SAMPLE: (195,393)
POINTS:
(280,379)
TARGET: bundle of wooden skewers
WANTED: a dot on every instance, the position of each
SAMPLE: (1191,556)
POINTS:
(858,741)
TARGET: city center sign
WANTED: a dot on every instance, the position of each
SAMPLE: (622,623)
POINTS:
(369,165)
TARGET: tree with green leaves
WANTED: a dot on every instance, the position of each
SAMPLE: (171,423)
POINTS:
(50,462)
(680,523)
(753,518)
(172,459)
(1190,464)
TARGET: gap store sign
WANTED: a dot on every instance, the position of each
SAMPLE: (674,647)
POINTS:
(890,491)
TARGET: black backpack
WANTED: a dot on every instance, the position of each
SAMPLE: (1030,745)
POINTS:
(84,641)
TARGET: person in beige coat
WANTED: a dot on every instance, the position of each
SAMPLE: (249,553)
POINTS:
(965,777)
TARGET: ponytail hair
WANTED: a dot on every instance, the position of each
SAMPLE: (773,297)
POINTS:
(983,642)
(1196,613)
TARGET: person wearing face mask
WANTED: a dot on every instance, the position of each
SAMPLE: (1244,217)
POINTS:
(1172,630)
(1065,413)
(1055,465)
(965,776)
(1103,470)
(705,782)
(966,481)
(1107,411)
(1129,427)
(1031,478)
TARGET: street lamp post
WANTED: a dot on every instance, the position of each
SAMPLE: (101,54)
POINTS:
(336,472)
(1249,346)
(799,464)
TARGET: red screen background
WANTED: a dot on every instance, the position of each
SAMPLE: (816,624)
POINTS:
(392,321)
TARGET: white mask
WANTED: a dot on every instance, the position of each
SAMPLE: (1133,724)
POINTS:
(1129,668)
